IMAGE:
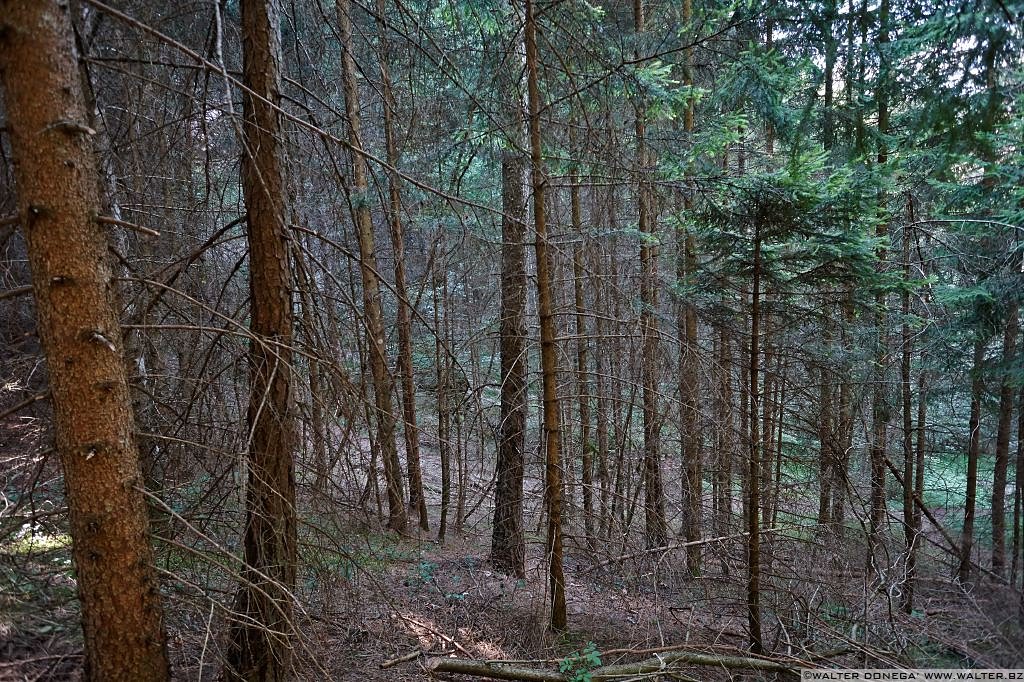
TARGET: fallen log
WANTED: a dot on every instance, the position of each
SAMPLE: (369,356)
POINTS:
(494,670)
(663,661)
(497,670)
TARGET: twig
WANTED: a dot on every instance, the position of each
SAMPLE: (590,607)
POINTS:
(107,220)
(411,656)
(23,404)
(16,291)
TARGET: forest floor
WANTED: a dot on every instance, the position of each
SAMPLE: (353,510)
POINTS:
(370,597)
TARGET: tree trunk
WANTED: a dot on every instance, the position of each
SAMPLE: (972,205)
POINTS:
(405,366)
(372,310)
(826,454)
(602,380)
(654,494)
(1018,495)
(1003,445)
(586,447)
(443,374)
(754,474)
(977,389)
(260,647)
(307,293)
(879,399)
(688,361)
(907,600)
(779,420)
(767,404)
(507,542)
(548,349)
(919,448)
(844,434)
(58,200)
(724,440)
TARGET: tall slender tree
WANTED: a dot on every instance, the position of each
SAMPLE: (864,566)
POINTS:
(548,350)
(654,493)
(686,324)
(963,572)
(1003,443)
(259,647)
(405,367)
(373,313)
(880,411)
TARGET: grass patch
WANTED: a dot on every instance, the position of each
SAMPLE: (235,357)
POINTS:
(27,542)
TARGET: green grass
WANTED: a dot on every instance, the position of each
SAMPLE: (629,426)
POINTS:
(35,543)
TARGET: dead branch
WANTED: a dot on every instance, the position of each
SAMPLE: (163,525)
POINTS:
(107,220)
(499,670)
(15,292)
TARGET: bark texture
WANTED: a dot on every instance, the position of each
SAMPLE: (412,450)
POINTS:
(548,350)
(508,549)
(58,199)
(259,648)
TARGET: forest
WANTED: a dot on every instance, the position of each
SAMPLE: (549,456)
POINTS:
(558,340)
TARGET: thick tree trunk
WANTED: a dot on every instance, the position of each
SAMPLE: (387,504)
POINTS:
(689,387)
(974,446)
(372,307)
(1003,445)
(405,366)
(548,350)
(58,200)
(260,648)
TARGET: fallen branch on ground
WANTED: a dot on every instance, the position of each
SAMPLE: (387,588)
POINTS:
(498,670)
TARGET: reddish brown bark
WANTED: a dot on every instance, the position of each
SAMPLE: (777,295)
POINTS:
(58,200)
(548,349)
(259,648)
(686,264)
